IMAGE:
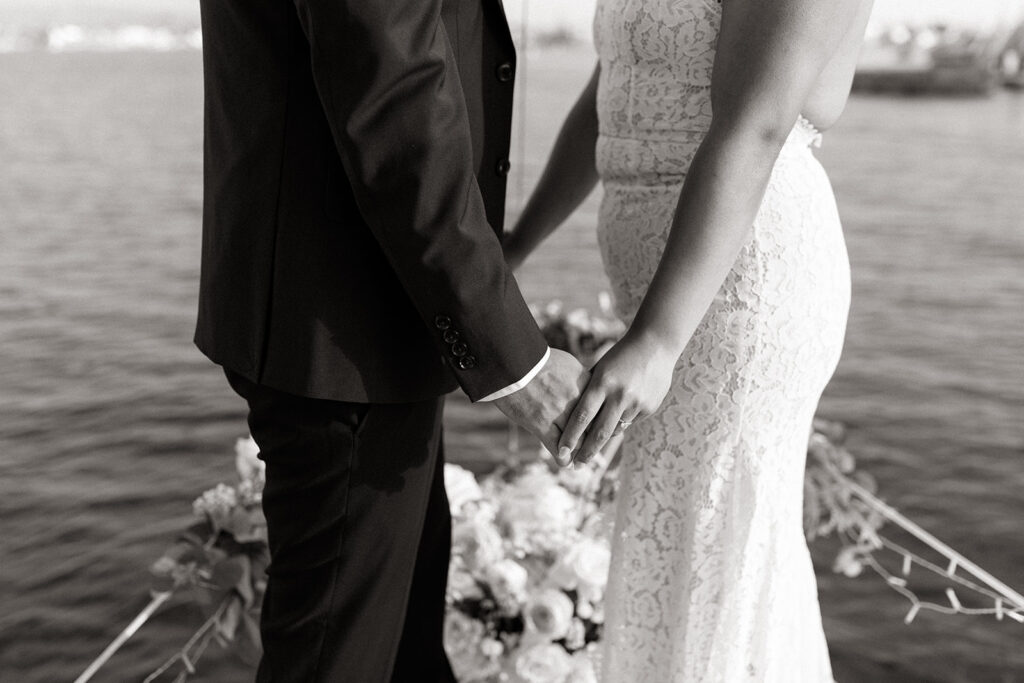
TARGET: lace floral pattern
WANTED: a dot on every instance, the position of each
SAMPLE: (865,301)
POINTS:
(711,579)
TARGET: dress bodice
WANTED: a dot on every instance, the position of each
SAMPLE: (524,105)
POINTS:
(654,92)
(656,60)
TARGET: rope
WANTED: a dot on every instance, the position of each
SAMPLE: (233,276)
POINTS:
(122,638)
(199,641)
(1000,591)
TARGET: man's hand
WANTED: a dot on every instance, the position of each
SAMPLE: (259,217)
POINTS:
(543,406)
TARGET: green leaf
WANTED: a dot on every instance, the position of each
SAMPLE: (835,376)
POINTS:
(215,555)
(227,573)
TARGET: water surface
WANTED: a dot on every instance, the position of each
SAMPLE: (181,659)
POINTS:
(111,422)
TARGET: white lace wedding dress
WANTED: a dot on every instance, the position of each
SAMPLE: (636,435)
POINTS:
(711,579)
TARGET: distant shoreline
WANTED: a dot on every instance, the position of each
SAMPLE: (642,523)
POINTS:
(574,16)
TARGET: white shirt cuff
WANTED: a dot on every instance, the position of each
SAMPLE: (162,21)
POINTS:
(512,388)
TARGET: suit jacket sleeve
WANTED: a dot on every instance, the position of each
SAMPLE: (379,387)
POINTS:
(389,86)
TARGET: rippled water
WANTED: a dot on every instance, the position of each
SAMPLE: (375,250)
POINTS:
(111,422)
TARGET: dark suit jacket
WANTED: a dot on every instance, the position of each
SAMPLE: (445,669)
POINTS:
(355,162)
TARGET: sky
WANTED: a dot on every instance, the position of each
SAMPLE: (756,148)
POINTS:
(543,13)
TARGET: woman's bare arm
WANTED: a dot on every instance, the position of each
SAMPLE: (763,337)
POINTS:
(568,178)
(770,54)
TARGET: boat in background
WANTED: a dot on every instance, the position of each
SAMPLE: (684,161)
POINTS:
(929,60)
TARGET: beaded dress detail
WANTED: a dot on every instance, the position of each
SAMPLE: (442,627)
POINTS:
(711,579)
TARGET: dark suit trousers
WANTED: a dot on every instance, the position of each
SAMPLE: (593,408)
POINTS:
(359,533)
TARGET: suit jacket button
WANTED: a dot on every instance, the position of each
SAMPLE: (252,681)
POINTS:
(467,362)
(442,322)
(459,349)
(503,167)
(451,336)
(505,72)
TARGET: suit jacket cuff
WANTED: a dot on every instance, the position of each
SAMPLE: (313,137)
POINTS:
(516,386)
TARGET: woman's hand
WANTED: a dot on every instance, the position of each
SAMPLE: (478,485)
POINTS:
(627,384)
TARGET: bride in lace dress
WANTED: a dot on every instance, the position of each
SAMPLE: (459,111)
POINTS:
(722,243)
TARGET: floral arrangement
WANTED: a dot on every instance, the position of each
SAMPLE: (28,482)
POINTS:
(829,504)
(530,553)
(220,561)
(530,546)
(530,558)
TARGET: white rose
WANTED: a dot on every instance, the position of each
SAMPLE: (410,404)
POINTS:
(591,564)
(482,510)
(461,633)
(247,461)
(536,472)
(250,492)
(491,648)
(463,638)
(576,638)
(848,562)
(549,614)
(584,569)
(578,479)
(544,663)
(217,505)
(507,579)
(477,544)
(462,585)
(582,669)
(599,524)
(538,513)
(461,486)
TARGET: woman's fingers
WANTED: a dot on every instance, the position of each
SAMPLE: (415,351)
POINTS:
(579,421)
(625,422)
(601,430)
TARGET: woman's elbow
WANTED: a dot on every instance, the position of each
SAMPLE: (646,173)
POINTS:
(772,132)
(759,135)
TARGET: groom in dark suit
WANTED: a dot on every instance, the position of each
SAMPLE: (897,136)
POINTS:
(355,164)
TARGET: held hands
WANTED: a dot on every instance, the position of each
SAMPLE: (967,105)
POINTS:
(627,384)
(542,407)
